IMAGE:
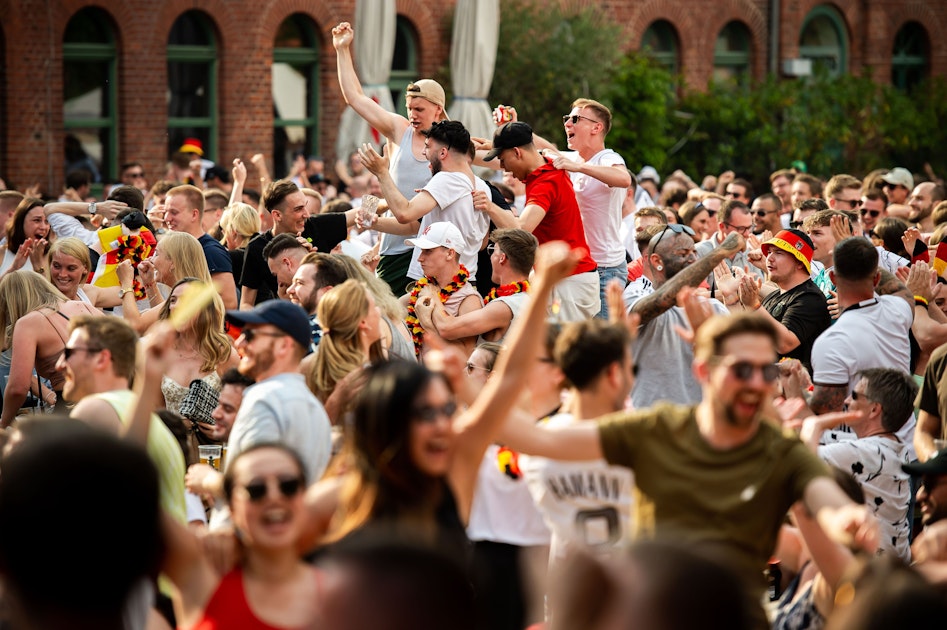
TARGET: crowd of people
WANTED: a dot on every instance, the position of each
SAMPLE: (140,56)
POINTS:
(473,383)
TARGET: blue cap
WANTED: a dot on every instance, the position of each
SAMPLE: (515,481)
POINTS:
(288,317)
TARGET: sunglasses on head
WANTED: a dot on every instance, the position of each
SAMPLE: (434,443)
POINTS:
(744,370)
(677,228)
(287,486)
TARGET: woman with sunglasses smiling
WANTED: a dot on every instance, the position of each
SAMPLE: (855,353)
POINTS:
(271,586)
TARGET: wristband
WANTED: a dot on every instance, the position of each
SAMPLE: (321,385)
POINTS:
(920,301)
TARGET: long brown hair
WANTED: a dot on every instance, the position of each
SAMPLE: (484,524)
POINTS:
(383,480)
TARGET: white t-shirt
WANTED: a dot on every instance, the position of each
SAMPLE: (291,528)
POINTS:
(600,206)
(453,194)
(874,335)
(503,510)
(587,505)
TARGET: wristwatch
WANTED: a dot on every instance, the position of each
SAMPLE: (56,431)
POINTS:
(122,292)
(92,208)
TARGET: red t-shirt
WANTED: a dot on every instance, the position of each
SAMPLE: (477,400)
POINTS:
(551,189)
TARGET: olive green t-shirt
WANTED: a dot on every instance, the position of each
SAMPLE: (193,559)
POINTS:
(731,500)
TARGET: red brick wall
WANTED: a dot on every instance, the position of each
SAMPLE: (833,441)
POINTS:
(32,35)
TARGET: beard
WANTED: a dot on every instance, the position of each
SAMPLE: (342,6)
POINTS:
(917,214)
(435,165)
(255,365)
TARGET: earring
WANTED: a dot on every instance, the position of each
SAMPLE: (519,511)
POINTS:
(659,268)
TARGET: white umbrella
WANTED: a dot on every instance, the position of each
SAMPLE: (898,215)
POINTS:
(473,55)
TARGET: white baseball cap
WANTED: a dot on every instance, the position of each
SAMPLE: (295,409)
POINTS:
(440,234)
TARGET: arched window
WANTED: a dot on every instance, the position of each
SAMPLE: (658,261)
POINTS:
(732,54)
(192,83)
(910,57)
(661,42)
(89,98)
(404,63)
(295,91)
(824,40)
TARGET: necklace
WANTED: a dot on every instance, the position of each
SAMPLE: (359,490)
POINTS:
(414,324)
(520,286)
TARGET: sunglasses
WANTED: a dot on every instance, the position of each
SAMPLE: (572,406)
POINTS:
(744,370)
(871,213)
(763,213)
(852,203)
(250,334)
(677,228)
(795,224)
(287,486)
(575,118)
(856,395)
(67,352)
(428,414)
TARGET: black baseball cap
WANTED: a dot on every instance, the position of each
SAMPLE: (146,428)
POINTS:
(935,465)
(288,317)
(508,136)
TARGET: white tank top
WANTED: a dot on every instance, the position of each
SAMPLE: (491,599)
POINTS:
(409,174)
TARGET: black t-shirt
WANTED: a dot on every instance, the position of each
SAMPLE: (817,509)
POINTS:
(218,260)
(804,311)
(324,231)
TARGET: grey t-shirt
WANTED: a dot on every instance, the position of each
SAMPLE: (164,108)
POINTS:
(664,359)
(282,409)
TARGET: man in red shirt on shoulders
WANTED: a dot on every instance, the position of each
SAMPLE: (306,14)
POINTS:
(551,214)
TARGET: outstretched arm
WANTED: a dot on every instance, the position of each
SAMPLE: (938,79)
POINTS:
(479,425)
(391,125)
(691,276)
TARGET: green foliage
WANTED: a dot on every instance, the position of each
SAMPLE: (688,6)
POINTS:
(843,124)
(641,97)
(550,55)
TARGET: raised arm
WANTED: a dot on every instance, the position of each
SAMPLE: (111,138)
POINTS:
(404,210)
(391,125)
(665,296)
(614,175)
(481,423)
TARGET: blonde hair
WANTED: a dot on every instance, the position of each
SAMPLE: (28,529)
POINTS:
(340,312)
(22,292)
(71,246)
(384,298)
(207,329)
(186,253)
(241,219)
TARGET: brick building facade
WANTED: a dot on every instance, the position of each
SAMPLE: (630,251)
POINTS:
(100,70)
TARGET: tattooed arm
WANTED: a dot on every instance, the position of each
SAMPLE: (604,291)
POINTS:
(889,284)
(826,398)
(691,276)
